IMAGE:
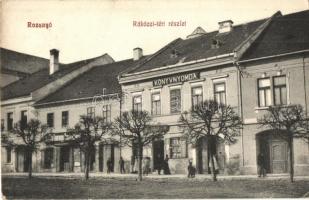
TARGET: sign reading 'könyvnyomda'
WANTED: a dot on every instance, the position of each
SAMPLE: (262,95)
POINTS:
(176,79)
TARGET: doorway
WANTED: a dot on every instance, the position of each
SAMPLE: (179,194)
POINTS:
(158,153)
(65,159)
(203,159)
(22,159)
(275,150)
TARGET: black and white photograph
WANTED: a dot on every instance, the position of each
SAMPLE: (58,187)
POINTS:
(145,99)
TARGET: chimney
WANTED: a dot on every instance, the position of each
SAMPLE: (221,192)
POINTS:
(53,61)
(225,26)
(137,53)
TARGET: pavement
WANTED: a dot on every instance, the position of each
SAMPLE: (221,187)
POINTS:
(154,176)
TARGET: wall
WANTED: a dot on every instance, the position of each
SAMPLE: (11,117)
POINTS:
(293,68)
(208,76)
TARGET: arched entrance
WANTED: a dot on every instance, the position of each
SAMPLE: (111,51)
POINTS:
(275,150)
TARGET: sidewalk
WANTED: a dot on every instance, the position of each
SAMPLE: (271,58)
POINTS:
(156,176)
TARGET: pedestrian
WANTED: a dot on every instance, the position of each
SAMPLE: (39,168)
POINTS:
(159,163)
(191,170)
(121,165)
(166,168)
(109,165)
(261,165)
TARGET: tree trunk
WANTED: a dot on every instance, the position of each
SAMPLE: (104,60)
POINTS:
(213,169)
(291,159)
(210,146)
(87,164)
(29,154)
(140,158)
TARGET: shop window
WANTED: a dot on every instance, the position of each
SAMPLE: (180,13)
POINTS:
(220,93)
(175,100)
(91,112)
(178,147)
(106,113)
(280,93)
(264,92)
(197,97)
(10,121)
(23,119)
(156,104)
(137,103)
(65,118)
(48,158)
(50,120)
(8,154)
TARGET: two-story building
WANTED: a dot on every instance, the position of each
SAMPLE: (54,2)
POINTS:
(18,98)
(248,66)
(95,93)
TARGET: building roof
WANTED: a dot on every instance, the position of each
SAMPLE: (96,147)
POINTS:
(32,82)
(92,83)
(14,62)
(285,34)
(207,45)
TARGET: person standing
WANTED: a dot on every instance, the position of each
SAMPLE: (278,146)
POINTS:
(109,165)
(121,165)
(191,170)
(261,165)
(166,168)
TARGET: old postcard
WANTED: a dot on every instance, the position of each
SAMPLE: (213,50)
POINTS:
(154,99)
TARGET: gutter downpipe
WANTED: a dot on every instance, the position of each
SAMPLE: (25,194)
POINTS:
(240,104)
(306,106)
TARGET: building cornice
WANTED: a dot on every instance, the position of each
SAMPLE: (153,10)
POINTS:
(178,68)
(273,56)
(16,100)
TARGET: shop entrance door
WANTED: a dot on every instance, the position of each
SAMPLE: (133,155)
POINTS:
(64,159)
(158,154)
(22,159)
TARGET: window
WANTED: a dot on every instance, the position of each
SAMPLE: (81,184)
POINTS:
(280,94)
(91,112)
(50,120)
(175,100)
(106,113)
(219,93)
(2,125)
(264,92)
(8,154)
(197,96)
(137,103)
(23,119)
(178,148)
(10,121)
(65,118)
(48,158)
(156,104)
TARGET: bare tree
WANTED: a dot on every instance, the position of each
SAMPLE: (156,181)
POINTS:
(288,122)
(212,121)
(32,134)
(86,133)
(137,127)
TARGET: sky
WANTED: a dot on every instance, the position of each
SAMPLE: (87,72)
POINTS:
(84,29)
